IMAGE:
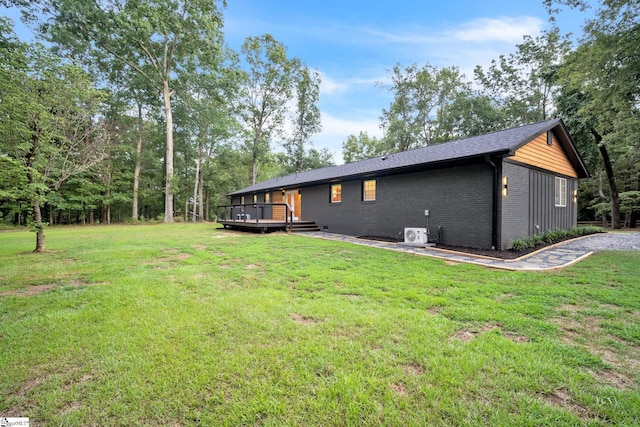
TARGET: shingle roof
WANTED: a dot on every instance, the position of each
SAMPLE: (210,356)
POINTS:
(503,142)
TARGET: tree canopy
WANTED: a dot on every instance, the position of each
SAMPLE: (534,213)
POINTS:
(139,110)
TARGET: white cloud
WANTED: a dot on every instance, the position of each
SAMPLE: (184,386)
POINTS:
(503,29)
(342,128)
(336,130)
(482,30)
(329,86)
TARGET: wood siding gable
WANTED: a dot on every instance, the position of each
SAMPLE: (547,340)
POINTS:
(540,154)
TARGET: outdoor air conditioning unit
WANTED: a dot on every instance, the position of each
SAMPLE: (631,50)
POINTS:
(415,236)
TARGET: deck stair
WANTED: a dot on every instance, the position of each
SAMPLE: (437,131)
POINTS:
(302,226)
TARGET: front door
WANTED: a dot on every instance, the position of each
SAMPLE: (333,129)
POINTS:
(292,198)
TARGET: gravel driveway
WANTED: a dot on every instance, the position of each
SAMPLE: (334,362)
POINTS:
(606,242)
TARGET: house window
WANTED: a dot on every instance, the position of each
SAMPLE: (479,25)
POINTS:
(336,193)
(369,190)
(561,192)
(549,138)
(255,198)
(267,197)
(242,200)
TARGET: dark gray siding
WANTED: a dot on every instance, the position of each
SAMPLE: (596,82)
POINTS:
(544,215)
(531,202)
(459,200)
(514,215)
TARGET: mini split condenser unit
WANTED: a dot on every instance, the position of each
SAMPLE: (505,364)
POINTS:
(415,236)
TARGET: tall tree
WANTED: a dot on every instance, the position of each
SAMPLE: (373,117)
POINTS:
(362,147)
(601,87)
(156,39)
(523,84)
(206,117)
(269,86)
(306,119)
(423,97)
(51,124)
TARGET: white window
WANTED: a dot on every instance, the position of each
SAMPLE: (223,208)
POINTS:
(561,192)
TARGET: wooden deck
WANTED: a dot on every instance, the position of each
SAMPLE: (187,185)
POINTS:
(268,225)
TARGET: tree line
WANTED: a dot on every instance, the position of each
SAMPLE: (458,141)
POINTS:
(594,87)
(140,110)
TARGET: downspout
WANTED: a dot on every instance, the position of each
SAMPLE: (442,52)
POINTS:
(494,215)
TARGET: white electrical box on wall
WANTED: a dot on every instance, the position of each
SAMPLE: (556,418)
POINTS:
(426,212)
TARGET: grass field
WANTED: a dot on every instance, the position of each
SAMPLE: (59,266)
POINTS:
(188,325)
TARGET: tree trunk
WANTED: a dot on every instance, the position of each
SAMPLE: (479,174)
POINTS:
(603,199)
(254,163)
(615,198)
(91,219)
(206,204)
(168,189)
(197,181)
(254,171)
(200,197)
(39,227)
(136,170)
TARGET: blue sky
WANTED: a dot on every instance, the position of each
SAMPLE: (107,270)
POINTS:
(353,43)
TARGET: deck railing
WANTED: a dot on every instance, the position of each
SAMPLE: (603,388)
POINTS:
(239,213)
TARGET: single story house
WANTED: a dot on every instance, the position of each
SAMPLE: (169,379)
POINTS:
(483,192)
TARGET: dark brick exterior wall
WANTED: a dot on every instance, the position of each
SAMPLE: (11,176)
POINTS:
(459,200)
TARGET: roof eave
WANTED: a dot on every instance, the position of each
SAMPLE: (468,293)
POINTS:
(381,172)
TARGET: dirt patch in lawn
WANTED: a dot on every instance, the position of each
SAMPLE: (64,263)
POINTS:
(39,289)
(470,333)
(305,320)
(169,259)
(70,407)
(585,332)
(413,369)
(399,389)
(562,399)
(434,311)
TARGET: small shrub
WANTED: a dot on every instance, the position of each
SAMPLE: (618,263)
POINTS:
(520,245)
(551,237)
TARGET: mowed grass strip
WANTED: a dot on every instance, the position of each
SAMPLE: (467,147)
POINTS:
(190,325)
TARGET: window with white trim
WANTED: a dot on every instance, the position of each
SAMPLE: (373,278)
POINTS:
(369,190)
(561,192)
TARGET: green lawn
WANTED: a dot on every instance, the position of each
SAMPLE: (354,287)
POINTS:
(189,325)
